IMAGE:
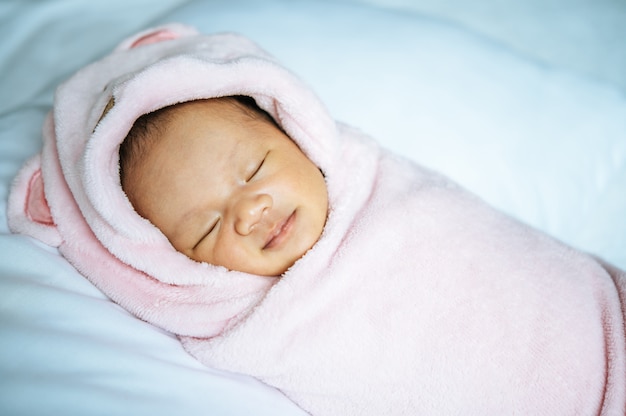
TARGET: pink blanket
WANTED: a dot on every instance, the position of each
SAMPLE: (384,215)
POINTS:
(418,298)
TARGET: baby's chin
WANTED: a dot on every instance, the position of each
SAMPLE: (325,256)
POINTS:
(276,269)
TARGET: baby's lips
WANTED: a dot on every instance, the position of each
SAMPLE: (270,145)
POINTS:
(279,232)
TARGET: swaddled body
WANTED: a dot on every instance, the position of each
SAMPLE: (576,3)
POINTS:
(418,298)
(432,303)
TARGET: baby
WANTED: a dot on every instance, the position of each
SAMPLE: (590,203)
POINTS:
(204,188)
(225,184)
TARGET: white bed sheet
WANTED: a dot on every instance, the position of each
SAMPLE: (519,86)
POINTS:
(545,144)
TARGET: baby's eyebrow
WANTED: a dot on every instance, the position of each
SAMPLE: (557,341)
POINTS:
(235,150)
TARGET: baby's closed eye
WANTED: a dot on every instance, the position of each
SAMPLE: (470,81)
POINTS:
(257,168)
(209,230)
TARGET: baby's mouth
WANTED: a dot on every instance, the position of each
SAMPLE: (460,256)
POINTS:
(280,232)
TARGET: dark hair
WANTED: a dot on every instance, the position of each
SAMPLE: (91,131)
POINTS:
(148,128)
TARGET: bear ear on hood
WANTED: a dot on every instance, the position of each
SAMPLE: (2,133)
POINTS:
(157,34)
(28,210)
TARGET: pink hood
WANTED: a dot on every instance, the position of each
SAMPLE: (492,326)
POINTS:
(70,195)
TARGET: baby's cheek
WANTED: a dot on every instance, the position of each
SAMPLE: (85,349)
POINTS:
(227,252)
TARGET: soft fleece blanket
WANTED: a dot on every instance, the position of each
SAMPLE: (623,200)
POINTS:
(417,299)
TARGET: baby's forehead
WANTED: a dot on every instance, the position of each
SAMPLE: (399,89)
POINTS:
(217,120)
(228,128)
(222,110)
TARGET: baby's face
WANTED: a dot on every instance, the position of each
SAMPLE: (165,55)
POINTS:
(229,189)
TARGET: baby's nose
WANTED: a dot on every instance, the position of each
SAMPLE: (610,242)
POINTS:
(249,211)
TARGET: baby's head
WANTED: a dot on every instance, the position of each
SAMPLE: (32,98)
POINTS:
(224,184)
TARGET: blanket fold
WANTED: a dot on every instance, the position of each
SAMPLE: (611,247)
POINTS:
(418,298)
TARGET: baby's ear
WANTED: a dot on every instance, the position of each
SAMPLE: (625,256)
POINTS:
(28,210)
(157,34)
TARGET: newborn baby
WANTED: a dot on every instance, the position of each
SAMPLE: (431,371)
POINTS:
(204,188)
